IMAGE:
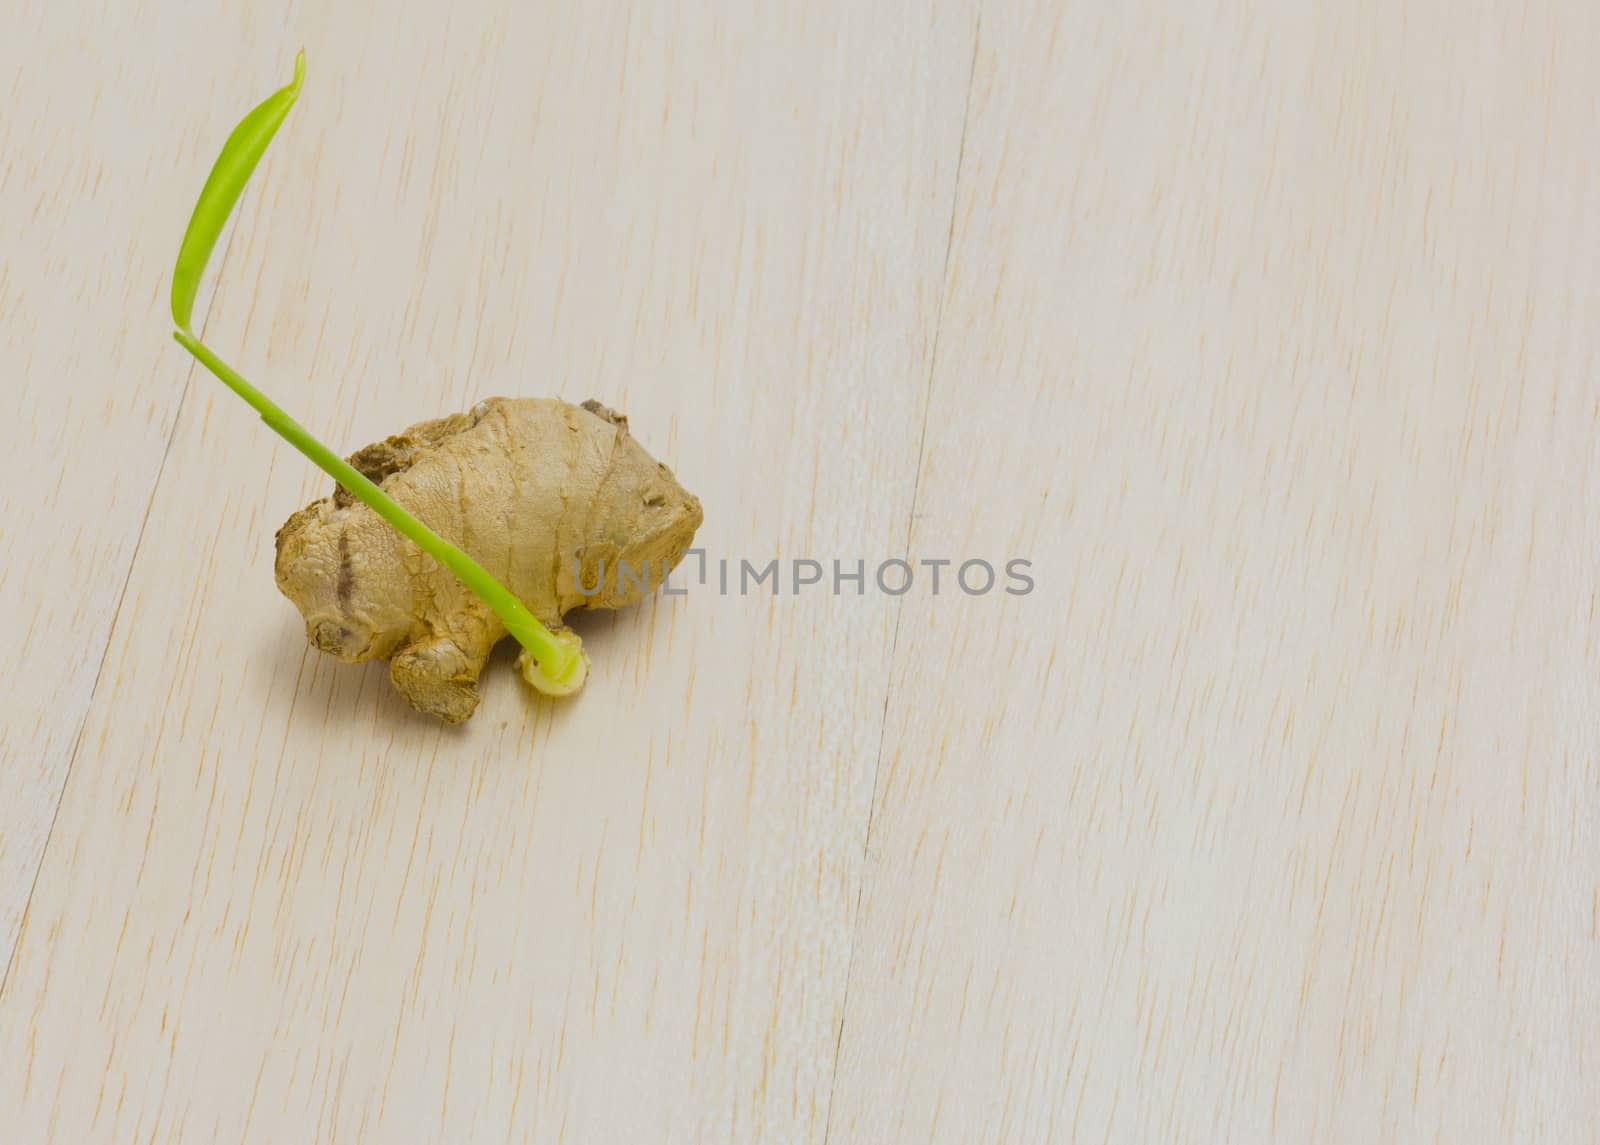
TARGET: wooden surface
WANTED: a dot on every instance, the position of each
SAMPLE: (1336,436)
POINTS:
(1270,335)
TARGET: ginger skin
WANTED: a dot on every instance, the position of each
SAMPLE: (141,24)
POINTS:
(531,487)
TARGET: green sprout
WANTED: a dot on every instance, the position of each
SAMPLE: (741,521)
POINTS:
(553,663)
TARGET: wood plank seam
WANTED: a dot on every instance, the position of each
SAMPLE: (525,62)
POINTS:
(204,305)
(911,520)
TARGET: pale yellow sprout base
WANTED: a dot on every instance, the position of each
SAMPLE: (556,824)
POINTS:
(570,680)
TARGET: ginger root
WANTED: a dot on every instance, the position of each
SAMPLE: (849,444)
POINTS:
(540,492)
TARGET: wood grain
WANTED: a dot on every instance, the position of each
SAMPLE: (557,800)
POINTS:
(624,918)
(1268,333)
(101,147)
(1271,335)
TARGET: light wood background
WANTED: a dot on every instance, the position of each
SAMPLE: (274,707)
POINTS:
(1269,332)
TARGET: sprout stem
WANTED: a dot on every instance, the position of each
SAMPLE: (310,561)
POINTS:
(552,656)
